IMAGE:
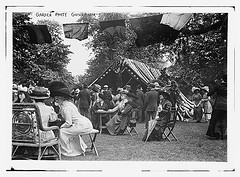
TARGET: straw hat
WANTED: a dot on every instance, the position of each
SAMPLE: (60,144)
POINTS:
(157,86)
(123,91)
(205,88)
(40,93)
(77,90)
(195,88)
(119,89)
(22,89)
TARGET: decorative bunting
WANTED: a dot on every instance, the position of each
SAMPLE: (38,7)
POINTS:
(38,34)
(163,28)
(76,31)
(112,23)
(114,28)
(176,20)
(150,31)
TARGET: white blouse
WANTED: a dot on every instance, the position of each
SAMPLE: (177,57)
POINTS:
(72,116)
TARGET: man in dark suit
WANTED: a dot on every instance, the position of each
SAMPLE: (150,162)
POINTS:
(84,101)
(140,102)
(151,103)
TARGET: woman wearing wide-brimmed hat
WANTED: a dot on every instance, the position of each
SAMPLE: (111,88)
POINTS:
(23,95)
(196,98)
(39,94)
(75,123)
(207,107)
(217,127)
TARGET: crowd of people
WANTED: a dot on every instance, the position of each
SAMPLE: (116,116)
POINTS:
(76,111)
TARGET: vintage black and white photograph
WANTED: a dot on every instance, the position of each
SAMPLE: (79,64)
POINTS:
(146,85)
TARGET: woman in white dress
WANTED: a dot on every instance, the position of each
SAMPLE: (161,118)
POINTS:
(71,142)
(207,107)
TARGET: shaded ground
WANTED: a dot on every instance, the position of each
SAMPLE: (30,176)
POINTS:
(192,145)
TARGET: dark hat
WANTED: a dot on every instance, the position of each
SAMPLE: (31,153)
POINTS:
(224,77)
(58,88)
(40,93)
(165,95)
(152,85)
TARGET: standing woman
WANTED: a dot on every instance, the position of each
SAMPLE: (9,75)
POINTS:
(207,107)
(71,142)
(218,123)
(196,98)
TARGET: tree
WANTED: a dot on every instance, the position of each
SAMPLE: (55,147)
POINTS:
(197,57)
(40,63)
(202,53)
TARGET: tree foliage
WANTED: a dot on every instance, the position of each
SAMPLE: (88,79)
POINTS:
(40,63)
(197,57)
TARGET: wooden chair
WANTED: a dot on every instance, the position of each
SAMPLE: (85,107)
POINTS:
(170,124)
(26,126)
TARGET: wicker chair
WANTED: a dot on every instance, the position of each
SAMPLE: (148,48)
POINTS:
(26,126)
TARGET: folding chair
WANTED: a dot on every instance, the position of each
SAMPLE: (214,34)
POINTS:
(26,126)
(92,135)
(131,125)
(170,124)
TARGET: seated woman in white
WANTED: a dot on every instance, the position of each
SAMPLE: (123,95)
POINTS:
(71,142)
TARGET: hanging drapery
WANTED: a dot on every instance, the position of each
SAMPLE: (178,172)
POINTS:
(115,28)
(38,34)
(76,31)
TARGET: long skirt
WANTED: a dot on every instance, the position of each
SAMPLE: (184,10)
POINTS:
(72,143)
(117,124)
(218,124)
(198,113)
(207,110)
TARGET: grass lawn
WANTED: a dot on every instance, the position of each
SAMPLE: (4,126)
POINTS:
(192,145)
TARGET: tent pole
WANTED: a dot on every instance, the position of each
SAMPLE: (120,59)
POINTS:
(128,82)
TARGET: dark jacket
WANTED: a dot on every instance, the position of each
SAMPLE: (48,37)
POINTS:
(84,98)
(221,96)
(140,99)
(151,100)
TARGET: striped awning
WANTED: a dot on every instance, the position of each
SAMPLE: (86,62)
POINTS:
(143,71)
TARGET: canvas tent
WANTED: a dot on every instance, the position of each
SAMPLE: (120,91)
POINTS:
(127,72)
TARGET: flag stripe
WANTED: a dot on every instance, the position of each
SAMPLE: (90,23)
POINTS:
(176,20)
(150,31)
